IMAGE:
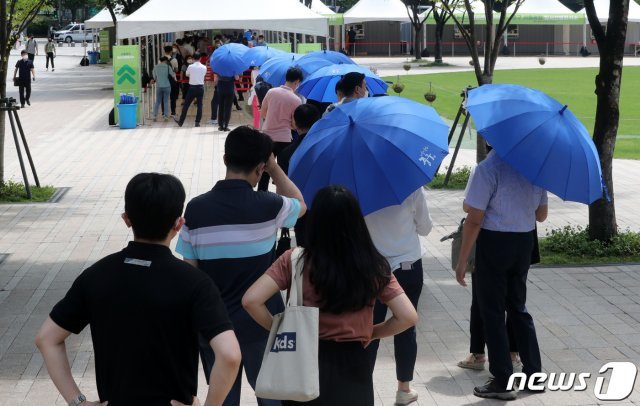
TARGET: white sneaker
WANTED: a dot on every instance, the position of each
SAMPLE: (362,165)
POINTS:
(404,398)
(212,122)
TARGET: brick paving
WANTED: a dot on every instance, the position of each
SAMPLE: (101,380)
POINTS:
(585,316)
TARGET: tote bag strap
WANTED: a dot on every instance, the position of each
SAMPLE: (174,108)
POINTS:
(295,293)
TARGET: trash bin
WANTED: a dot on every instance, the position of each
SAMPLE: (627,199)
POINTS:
(127,114)
(93,57)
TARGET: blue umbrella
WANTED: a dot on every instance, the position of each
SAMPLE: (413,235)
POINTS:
(381,148)
(256,56)
(321,85)
(228,60)
(274,70)
(540,138)
(331,56)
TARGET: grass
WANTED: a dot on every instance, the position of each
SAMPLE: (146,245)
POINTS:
(14,192)
(458,180)
(571,246)
(573,87)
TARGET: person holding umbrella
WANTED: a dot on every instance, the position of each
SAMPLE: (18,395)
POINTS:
(503,207)
(395,231)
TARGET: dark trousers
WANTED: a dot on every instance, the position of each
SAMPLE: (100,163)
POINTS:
(502,265)
(224,109)
(50,58)
(175,92)
(476,326)
(25,87)
(263,184)
(405,346)
(197,93)
(344,376)
(251,361)
(215,102)
(32,57)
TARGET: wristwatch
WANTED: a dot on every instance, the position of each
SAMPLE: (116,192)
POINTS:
(77,401)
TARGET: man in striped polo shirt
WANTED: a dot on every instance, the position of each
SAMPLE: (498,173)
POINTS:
(230,233)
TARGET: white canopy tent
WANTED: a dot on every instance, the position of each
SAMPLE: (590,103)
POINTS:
(103,18)
(602,9)
(320,8)
(377,10)
(160,16)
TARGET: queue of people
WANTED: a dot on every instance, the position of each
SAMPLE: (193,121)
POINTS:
(220,301)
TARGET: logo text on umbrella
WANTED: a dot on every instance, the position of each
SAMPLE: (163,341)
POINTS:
(425,157)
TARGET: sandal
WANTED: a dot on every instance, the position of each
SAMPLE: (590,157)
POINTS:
(473,361)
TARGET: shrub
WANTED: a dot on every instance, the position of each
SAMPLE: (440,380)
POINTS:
(574,242)
(458,179)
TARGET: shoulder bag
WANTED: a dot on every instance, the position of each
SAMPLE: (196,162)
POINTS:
(289,368)
(456,244)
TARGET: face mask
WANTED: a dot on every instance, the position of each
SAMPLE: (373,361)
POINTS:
(175,50)
(25,57)
(366,93)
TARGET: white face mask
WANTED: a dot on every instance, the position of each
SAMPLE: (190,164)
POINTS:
(25,57)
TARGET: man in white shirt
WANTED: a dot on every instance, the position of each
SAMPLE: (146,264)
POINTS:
(395,231)
(196,73)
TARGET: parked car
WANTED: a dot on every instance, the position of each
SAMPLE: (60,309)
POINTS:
(73,32)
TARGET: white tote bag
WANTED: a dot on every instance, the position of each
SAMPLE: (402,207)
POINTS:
(290,364)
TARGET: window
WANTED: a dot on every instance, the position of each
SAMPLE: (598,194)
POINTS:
(456,31)
(513,31)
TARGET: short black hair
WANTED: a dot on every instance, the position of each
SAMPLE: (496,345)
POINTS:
(23,52)
(168,49)
(305,115)
(294,73)
(196,56)
(339,87)
(153,202)
(260,36)
(350,81)
(163,59)
(245,148)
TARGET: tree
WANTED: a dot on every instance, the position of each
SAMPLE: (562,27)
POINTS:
(493,34)
(441,17)
(417,22)
(611,43)
(15,16)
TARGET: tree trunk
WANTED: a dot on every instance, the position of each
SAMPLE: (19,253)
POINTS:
(417,48)
(602,213)
(437,53)
(3,115)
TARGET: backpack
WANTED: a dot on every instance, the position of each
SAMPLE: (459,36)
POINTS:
(261,89)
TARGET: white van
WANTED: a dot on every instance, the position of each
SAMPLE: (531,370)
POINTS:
(73,32)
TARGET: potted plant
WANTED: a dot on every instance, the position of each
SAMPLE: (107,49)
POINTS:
(398,87)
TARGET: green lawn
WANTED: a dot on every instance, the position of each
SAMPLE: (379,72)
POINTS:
(574,87)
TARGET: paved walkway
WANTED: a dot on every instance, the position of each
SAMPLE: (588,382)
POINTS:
(585,316)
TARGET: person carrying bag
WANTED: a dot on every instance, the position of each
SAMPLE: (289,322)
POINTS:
(341,274)
(290,364)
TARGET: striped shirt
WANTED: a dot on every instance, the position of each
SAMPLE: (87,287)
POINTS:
(231,232)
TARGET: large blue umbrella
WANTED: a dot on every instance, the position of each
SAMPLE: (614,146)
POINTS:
(331,56)
(228,60)
(321,85)
(381,148)
(273,71)
(540,138)
(256,56)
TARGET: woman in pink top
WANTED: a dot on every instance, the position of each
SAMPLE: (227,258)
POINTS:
(343,275)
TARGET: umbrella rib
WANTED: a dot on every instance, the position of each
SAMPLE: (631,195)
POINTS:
(379,167)
(398,148)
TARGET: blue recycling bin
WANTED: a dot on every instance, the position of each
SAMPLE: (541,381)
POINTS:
(128,115)
(93,57)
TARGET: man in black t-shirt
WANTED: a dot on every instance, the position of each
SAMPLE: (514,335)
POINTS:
(146,309)
(24,71)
